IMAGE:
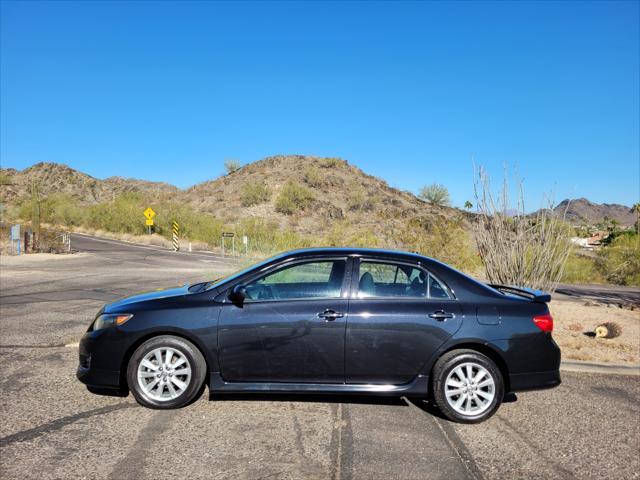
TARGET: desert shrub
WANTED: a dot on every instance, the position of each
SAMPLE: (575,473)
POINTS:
(435,194)
(444,239)
(231,165)
(621,260)
(313,177)
(266,238)
(333,162)
(582,269)
(292,198)
(5,179)
(358,198)
(342,234)
(254,193)
(123,215)
(195,226)
(58,209)
(518,248)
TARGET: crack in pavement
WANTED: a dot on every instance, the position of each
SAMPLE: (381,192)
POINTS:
(341,446)
(131,466)
(59,423)
(454,442)
(562,472)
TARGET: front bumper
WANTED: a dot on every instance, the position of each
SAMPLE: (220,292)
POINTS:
(92,375)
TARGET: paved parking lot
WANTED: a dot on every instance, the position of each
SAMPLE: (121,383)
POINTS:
(51,427)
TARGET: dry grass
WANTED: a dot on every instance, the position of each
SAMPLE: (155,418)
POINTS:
(573,319)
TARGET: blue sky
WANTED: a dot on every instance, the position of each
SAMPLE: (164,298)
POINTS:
(410,92)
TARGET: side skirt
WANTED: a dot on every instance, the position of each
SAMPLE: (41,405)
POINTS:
(419,386)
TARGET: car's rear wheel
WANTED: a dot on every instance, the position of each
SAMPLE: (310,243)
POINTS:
(467,386)
(166,372)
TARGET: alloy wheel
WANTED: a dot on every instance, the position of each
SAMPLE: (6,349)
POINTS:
(470,389)
(164,374)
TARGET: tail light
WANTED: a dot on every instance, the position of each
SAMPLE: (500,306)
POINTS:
(544,322)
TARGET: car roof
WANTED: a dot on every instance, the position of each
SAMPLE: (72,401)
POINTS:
(378,252)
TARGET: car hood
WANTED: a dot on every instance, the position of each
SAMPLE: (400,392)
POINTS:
(148,296)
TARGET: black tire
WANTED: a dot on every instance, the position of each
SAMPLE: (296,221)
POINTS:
(450,361)
(197,365)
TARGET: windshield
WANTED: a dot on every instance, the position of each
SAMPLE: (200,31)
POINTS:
(222,280)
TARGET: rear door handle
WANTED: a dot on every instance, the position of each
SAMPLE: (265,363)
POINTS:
(441,315)
(330,315)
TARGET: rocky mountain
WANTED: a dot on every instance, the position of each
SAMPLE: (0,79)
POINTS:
(57,178)
(581,211)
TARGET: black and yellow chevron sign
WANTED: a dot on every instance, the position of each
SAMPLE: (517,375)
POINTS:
(176,233)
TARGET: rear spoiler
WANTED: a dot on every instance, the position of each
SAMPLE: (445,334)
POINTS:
(533,295)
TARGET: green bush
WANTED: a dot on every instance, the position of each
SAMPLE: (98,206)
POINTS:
(342,234)
(333,162)
(292,198)
(582,269)
(58,209)
(444,239)
(621,260)
(313,177)
(255,193)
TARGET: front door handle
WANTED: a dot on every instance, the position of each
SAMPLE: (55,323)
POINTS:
(330,315)
(440,315)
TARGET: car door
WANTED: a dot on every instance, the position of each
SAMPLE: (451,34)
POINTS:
(399,314)
(291,326)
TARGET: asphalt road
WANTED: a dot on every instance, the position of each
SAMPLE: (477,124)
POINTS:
(51,427)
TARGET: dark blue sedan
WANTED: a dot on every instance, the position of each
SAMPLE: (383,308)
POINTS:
(328,320)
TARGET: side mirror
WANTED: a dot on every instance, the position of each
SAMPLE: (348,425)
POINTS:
(238,294)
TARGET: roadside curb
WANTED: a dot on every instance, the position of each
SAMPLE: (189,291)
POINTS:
(590,367)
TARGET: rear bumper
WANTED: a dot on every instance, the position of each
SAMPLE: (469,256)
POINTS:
(534,380)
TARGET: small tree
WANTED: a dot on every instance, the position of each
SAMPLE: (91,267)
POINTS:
(231,165)
(435,194)
(517,248)
(468,205)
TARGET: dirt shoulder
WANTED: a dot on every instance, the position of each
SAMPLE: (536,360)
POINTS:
(574,321)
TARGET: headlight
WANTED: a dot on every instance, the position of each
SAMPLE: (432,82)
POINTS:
(109,319)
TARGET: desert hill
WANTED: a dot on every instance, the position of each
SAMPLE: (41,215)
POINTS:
(581,211)
(54,178)
(338,191)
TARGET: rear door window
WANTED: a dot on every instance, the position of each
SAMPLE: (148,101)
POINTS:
(377,279)
(384,279)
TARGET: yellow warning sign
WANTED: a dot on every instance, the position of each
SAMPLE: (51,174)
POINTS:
(149,213)
(149,222)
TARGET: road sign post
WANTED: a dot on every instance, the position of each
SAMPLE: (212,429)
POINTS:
(176,233)
(232,236)
(149,214)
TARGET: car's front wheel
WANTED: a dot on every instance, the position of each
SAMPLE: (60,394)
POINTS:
(166,372)
(467,386)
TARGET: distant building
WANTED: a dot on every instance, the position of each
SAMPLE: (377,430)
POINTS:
(592,242)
